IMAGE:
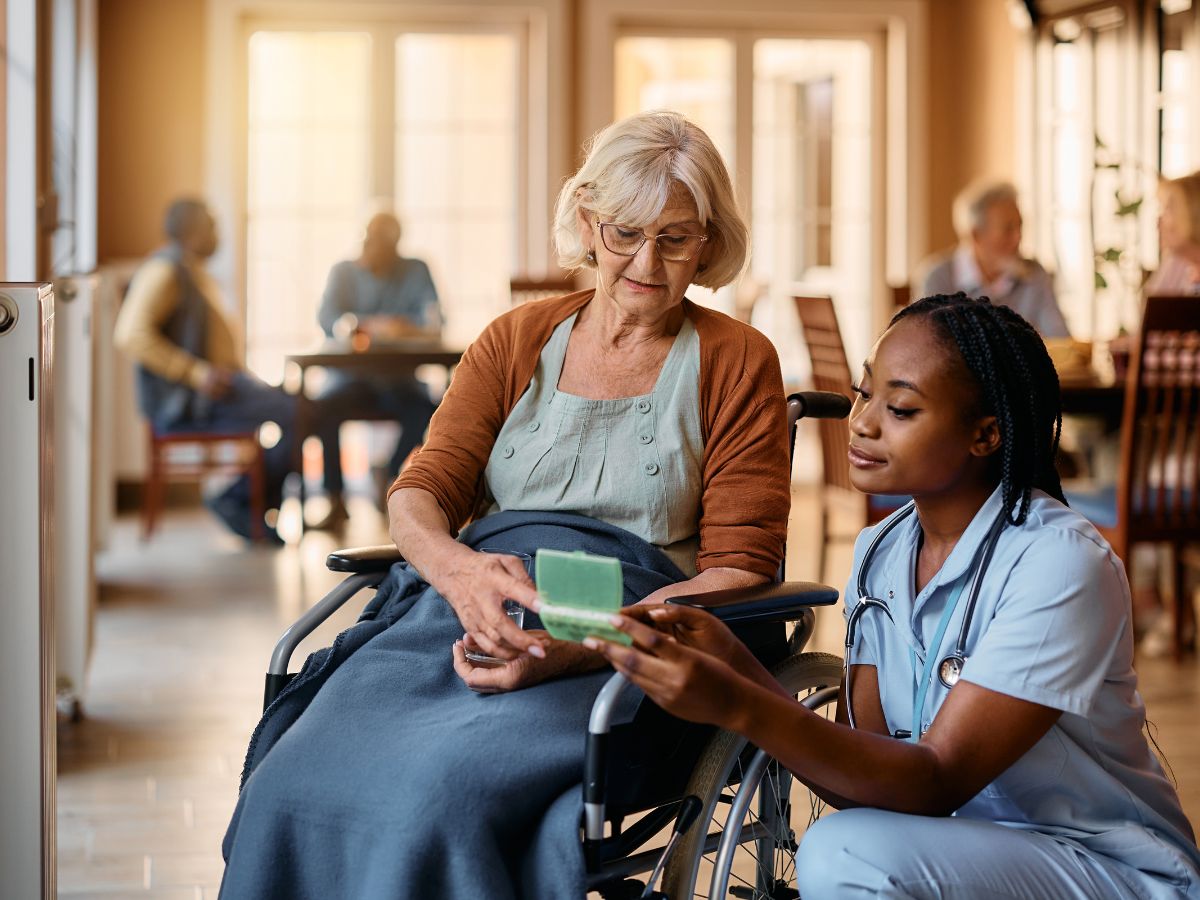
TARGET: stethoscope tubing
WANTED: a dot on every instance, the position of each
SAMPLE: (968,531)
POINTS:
(865,602)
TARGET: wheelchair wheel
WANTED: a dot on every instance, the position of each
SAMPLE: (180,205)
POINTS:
(754,812)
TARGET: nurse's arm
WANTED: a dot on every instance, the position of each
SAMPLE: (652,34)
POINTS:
(977,735)
(868,708)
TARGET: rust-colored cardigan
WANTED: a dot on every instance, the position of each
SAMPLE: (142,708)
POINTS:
(745,491)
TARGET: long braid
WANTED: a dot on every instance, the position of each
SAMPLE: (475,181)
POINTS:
(1017,384)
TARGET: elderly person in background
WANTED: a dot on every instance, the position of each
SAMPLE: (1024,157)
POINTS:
(1178,237)
(987,261)
(389,297)
(191,376)
(653,430)
(1177,275)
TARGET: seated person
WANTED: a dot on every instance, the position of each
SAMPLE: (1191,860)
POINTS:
(1178,237)
(987,261)
(189,366)
(655,431)
(1177,275)
(389,297)
(1029,777)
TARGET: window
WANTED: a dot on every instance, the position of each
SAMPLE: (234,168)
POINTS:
(812,203)
(1178,138)
(328,145)
(804,141)
(308,181)
(1086,219)
(456,169)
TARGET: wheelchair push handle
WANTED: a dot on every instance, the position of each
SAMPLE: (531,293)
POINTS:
(821,405)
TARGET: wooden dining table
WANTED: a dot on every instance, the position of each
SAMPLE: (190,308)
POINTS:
(390,358)
(1093,392)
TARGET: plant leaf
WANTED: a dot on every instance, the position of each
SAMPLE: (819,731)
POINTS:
(1101,283)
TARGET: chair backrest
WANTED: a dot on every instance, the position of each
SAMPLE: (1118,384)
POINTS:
(523,288)
(1159,484)
(830,372)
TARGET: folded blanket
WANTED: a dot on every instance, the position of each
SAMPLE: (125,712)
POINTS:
(378,773)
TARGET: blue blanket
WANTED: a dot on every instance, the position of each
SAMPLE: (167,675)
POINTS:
(378,774)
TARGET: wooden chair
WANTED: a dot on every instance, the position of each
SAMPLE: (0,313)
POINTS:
(1157,495)
(523,288)
(194,454)
(831,372)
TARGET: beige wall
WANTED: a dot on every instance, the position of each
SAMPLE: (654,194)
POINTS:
(971,70)
(151,117)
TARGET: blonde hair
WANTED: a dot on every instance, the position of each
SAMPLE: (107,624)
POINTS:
(973,202)
(1187,189)
(632,167)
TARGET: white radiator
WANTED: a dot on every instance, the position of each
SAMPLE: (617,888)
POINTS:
(76,473)
(117,405)
(27,652)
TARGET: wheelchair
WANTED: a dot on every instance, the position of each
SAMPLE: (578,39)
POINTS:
(720,818)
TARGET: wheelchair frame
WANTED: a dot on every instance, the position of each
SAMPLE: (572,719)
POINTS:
(758,611)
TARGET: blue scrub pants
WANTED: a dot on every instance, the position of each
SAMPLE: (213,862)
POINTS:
(874,853)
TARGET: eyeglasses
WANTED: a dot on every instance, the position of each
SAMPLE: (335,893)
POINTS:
(670,247)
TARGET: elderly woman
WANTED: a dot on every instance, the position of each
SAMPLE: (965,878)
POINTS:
(988,263)
(622,420)
(1179,237)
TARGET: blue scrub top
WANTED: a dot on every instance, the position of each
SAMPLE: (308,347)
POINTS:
(1051,626)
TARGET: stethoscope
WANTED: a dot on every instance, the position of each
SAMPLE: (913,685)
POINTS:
(950,669)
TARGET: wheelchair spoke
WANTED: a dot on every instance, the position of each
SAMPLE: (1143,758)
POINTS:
(758,810)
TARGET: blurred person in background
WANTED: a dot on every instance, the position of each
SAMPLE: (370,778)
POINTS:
(987,261)
(1178,237)
(387,297)
(1178,274)
(190,371)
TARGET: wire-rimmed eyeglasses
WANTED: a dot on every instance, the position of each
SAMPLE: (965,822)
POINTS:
(670,247)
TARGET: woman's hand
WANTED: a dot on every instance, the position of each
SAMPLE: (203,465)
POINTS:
(683,679)
(561,658)
(476,585)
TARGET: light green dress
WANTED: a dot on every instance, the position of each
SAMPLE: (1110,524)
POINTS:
(634,462)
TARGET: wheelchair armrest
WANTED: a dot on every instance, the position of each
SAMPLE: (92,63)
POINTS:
(761,602)
(361,560)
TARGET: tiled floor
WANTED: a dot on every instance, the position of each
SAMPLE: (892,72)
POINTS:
(185,626)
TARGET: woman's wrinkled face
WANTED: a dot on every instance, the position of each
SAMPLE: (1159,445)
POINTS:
(645,283)
(1172,220)
(915,427)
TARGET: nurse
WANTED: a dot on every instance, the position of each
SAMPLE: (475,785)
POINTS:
(1031,775)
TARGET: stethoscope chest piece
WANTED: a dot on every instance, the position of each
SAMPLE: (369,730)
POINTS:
(951,670)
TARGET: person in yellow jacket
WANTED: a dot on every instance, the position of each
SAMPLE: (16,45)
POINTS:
(189,365)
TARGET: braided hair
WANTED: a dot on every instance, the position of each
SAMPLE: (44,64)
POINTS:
(1017,384)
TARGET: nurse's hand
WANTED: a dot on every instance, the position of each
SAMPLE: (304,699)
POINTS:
(476,585)
(684,680)
(562,658)
(701,630)
(691,627)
